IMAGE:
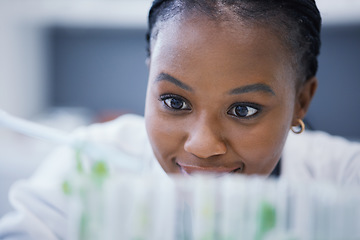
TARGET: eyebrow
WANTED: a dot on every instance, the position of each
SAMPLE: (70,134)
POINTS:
(240,90)
(167,77)
(258,87)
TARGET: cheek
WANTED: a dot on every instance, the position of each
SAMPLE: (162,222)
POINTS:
(261,146)
(165,135)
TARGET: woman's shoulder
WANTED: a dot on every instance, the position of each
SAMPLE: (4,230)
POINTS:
(127,129)
(125,125)
(126,133)
(320,139)
(319,155)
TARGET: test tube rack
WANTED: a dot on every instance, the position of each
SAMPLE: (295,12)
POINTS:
(204,207)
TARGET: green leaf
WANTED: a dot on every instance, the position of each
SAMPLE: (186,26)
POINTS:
(79,166)
(66,187)
(266,219)
(100,169)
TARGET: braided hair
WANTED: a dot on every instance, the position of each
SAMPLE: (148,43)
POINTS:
(296,22)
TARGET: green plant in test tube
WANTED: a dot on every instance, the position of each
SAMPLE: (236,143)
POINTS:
(266,220)
(80,185)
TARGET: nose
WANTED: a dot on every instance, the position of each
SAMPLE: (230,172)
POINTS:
(204,140)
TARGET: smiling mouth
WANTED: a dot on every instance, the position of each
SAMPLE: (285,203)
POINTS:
(217,171)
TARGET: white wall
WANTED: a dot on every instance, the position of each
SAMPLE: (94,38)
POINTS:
(23,83)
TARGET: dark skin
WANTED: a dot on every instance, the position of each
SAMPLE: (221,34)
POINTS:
(221,97)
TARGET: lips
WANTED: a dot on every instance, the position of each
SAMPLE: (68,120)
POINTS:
(221,170)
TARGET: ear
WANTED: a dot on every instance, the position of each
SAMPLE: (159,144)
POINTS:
(304,96)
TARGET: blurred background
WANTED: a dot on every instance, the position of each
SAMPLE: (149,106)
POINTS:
(70,63)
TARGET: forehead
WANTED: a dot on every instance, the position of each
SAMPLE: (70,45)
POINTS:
(188,43)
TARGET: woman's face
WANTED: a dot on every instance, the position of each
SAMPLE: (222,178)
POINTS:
(220,99)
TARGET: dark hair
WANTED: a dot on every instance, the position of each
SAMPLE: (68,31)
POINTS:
(296,22)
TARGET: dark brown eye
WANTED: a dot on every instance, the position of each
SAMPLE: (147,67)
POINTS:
(242,111)
(175,103)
